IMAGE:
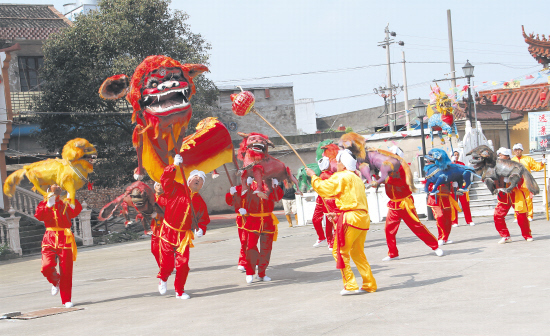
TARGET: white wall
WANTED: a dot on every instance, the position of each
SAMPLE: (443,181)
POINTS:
(305,116)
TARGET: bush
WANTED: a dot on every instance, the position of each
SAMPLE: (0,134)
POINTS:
(5,249)
(348,129)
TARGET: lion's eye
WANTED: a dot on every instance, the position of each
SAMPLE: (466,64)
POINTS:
(154,85)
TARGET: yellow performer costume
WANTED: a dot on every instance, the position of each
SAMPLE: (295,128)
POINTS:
(531,165)
(349,193)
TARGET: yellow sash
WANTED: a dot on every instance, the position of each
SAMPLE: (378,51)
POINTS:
(407,204)
(273,218)
(69,239)
(454,206)
(187,240)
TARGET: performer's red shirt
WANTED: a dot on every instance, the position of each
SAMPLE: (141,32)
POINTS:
(330,202)
(156,223)
(442,197)
(237,201)
(396,186)
(260,211)
(58,216)
(178,214)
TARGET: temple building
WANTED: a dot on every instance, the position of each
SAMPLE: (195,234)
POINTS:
(539,48)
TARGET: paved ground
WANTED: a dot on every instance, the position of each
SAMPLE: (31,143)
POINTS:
(477,288)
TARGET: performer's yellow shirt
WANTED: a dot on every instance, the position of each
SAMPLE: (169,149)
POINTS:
(348,191)
(529,163)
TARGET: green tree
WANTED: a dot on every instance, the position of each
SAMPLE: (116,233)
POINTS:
(102,43)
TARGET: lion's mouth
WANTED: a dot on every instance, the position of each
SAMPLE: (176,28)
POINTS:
(167,102)
(90,157)
(257,147)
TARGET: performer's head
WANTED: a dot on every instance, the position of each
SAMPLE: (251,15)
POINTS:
(158,188)
(54,188)
(346,160)
(518,149)
(455,156)
(324,163)
(504,153)
(196,180)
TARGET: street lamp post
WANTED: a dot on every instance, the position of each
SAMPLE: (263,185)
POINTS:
(420,110)
(469,73)
(505,114)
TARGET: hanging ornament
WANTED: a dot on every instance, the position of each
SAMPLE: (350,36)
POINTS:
(494,98)
(543,96)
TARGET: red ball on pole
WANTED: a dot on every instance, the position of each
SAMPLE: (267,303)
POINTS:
(243,102)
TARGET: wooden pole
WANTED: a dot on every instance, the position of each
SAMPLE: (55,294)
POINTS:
(545,189)
(228,176)
(194,225)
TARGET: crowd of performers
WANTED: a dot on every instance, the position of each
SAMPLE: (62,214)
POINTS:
(182,215)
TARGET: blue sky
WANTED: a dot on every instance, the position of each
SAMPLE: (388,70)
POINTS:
(257,39)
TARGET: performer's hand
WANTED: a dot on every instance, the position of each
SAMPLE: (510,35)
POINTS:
(543,161)
(242,211)
(310,172)
(154,215)
(199,233)
(455,184)
(298,192)
(56,189)
(178,160)
(274,182)
(249,180)
(232,190)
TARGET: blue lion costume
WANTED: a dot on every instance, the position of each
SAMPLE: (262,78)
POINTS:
(444,171)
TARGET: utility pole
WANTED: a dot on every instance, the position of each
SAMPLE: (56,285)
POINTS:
(451,49)
(386,45)
(406,93)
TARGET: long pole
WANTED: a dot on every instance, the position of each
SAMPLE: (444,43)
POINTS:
(545,189)
(507,134)
(387,31)
(423,146)
(469,102)
(451,49)
(406,93)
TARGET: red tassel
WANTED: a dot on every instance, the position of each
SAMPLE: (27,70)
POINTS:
(90,185)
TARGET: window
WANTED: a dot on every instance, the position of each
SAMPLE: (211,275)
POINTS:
(28,72)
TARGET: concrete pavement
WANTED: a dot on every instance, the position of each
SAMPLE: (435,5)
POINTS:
(478,288)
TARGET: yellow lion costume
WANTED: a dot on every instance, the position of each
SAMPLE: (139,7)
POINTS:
(69,173)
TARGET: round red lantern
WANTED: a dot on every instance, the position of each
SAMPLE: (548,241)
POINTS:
(494,98)
(243,102)
(543,96)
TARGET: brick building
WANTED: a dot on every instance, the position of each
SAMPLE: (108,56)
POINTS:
(275,102)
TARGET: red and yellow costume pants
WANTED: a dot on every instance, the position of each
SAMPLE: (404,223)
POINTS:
(464,200)
(405,210)
(242,239)
(317,220)
(501,210)
(59,244)
(262,227)
(155,247)
(443,217)
(178,255)
(354,248)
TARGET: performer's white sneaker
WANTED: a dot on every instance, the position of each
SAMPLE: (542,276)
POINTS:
(241,268)
(530,219)
(515,220)
(505,240)
(388,258)
(68,305)
(454,225)
(439,252)
(360,291)
(249,279)
(265,278)
(448,242)
(55,289)
(319,243)
(529,239)
(440,242)
(348,292)
(183,296)
(162,287)
(472,224)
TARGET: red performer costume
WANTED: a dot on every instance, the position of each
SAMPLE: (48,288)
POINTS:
(401,207)
(260,224)
(518,199)
(58,242)
(176,233)
(464,200)
(238,201)
(442,205)
(319,213)
(156,225)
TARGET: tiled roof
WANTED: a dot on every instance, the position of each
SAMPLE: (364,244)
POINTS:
(525,98)
(32,22)
(484,112)
(539,48)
